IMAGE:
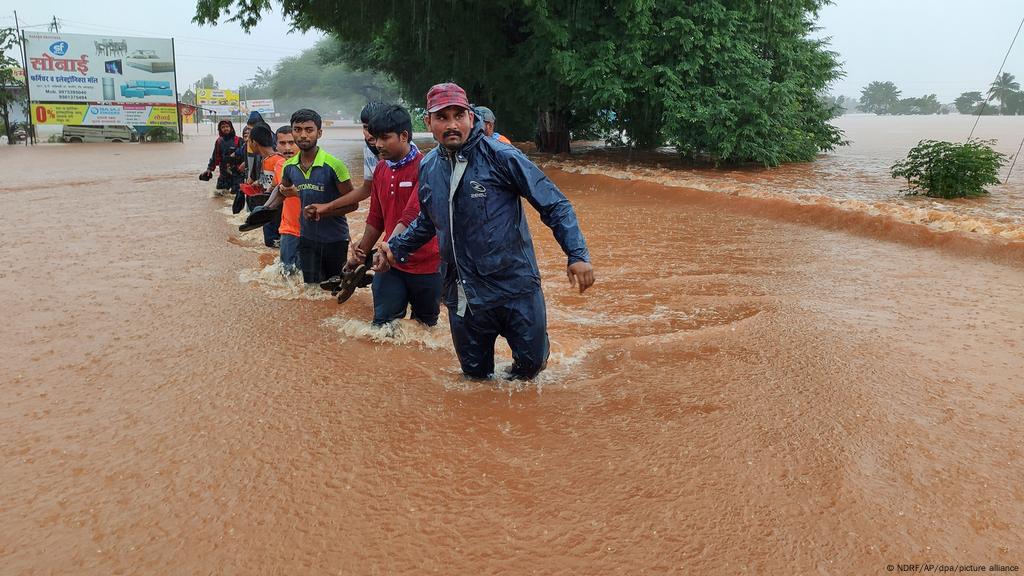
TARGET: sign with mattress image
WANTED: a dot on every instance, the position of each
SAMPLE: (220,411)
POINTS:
(106,69)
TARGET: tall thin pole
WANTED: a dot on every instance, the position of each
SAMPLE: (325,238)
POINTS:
(28,93)
(177,100)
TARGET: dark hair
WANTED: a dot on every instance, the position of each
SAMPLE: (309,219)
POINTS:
(255,118)
(371,109)
(262,135)
(306,115)
(391,118)
(286,129)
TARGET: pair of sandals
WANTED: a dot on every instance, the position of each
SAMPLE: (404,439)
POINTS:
(345,285)
(260,215)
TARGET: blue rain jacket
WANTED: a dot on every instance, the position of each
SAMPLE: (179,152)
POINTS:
(486,244)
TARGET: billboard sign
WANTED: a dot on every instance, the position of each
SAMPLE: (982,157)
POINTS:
(218,102)
(100,69)
(104,114)
(265,106)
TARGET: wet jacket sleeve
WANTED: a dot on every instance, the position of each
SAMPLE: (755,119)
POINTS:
(215,157)
(412,208)
(236,160)
(555,209)
(419,232)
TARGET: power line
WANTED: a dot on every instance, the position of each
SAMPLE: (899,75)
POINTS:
(998,74)
(210,57)
(1010,171)
(251,46)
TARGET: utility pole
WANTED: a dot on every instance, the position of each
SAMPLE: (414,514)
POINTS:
(54,25)
(24,66)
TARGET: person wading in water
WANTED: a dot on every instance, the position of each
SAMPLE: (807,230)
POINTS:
(471,191)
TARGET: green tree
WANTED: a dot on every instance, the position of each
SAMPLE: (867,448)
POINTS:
(725,80)
(259,86)
(924,105)
(311,81)
(880,98)
(207,82)
(841,104)
(950,169)
(967,103)
(1003,89)
(1014,104)
(12,88)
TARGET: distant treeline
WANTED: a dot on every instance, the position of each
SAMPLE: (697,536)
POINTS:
(1003,97)
(1005,90)
(885,98)
(308,81)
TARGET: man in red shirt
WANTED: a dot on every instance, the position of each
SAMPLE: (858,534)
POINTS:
(394,204)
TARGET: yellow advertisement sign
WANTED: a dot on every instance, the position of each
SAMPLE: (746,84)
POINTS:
(73,114)
(162,116)
(218,102)
(105,114)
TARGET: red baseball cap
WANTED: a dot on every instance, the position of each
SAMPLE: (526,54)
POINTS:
(441,96)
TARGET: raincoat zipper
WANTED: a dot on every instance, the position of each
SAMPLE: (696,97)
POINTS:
(458,169)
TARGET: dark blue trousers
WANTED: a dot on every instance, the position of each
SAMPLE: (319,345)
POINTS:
(394,290)
(321,260)
(522,322)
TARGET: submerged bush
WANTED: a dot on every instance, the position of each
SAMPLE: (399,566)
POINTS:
(161,134)
(950,170)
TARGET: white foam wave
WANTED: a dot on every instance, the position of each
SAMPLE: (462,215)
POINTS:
(284,287)
(397,333)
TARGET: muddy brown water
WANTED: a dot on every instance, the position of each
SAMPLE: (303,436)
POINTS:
(852,179)
(738,394)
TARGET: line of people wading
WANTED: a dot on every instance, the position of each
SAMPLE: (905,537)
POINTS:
(446,226)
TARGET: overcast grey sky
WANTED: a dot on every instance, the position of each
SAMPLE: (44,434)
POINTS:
(224,50)
(943,47)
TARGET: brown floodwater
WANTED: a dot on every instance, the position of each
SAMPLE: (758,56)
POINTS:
(854,179)
(744,391)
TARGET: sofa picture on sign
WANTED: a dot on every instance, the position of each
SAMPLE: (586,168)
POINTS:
(143,88)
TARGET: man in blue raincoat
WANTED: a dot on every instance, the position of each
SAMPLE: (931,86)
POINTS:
(470,191)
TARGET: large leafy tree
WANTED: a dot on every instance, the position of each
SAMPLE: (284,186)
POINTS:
(967,102)
(928,104)
(880,98)
(725,80)
(259,85)
(207,81)
(12,88)
(1003,89)
(316,79)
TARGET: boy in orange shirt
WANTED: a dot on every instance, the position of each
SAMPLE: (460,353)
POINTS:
(273,165)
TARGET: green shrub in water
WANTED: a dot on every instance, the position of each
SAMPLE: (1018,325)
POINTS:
(950,170)
(161,134)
